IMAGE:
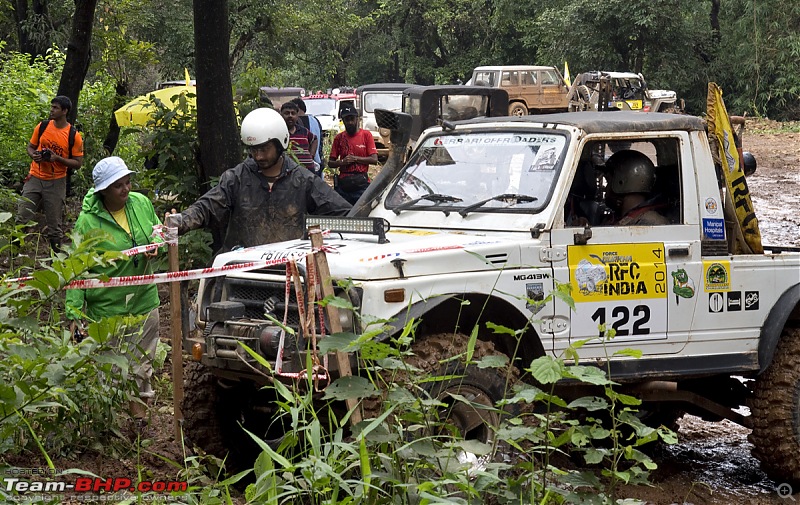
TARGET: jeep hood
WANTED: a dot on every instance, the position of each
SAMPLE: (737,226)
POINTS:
(419,252)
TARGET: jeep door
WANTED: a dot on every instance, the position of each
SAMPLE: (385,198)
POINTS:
(553,90)
(639,280)
(529,89)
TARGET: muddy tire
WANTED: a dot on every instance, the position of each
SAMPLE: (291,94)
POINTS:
(517,109)
(214,415)
(775,410)
(482,386)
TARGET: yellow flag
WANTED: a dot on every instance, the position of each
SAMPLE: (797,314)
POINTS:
(566,74)
(719,125)
(186,73)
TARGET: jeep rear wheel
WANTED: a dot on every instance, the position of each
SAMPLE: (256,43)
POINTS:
(517,109)
(775,410)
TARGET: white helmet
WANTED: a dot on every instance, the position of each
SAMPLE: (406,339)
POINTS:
(262,125)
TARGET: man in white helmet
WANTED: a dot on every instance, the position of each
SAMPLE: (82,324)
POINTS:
(631,179)
(264,199)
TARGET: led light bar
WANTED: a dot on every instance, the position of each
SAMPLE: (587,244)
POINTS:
(367,225)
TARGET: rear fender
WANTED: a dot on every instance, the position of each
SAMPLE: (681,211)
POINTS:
(785,308)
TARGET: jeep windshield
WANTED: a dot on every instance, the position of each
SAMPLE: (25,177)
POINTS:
(481,172)
(389,101)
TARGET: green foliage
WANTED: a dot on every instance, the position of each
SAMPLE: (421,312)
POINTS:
(407,451)
(57,395)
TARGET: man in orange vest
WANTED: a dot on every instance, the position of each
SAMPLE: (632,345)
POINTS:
(55,147)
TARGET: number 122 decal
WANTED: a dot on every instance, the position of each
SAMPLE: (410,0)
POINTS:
(621,321)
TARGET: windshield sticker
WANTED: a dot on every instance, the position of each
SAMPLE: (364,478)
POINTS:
(509,139)
(619,287)
(545,160)
(717,275)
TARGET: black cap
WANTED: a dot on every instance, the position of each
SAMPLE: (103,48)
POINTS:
(347,110)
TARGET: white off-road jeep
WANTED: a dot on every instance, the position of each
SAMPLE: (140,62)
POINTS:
(485,219)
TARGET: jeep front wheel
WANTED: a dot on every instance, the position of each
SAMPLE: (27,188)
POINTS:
(517,109)
(775,411)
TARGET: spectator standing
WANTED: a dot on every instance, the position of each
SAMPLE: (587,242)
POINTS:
(264,199)
(313,125)
(353,151)
(128,218)
(55,148)
(303,142)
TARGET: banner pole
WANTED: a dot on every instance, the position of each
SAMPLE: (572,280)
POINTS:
(176,329)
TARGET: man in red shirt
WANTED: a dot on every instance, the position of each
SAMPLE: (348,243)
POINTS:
(353,151)
(53,153)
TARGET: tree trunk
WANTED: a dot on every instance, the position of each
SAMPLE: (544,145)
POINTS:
(217,131)
(78,54)
(220,146)
(110,142)
(33,45)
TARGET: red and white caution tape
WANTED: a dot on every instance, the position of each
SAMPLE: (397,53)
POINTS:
(184,275)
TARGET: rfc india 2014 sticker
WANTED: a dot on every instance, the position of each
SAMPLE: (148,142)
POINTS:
(621,287)
(717,276)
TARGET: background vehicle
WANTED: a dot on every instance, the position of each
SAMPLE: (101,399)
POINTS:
(531,89)
(279,96)
(326,109)
(432,105)
(599,90)
(388,96)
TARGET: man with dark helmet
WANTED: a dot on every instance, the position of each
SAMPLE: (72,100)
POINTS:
(631,179)
(264,199)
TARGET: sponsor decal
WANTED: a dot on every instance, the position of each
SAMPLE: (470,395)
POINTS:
(713,229)
(734,301)
(682,285)
(751,300)
(621,287)
(717,275)
(380,257)
(534,292)
(629,271)
(716,302)
(711,205)
(414,232)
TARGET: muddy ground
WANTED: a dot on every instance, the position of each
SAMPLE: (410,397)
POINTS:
(711,464)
